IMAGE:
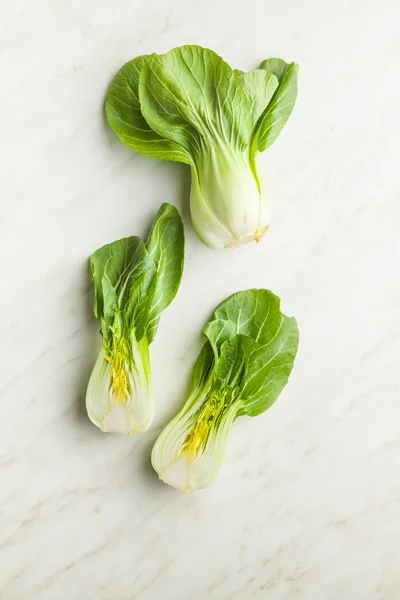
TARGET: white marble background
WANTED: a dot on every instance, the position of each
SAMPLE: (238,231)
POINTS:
(307,505)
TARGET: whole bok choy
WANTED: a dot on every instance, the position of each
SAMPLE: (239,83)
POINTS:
(134,281)
(190,106)
(241,370)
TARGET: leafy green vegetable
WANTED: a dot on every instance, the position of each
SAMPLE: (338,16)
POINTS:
(133,282)
(189,106)
(241,370)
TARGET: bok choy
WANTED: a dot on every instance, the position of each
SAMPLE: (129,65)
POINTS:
(133,283)
(241,370)
(190,106)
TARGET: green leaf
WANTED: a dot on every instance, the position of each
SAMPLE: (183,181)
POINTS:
(116,267)
(260,86)
(254,313)
(218,331)
(277,66)
(125,117)
(192,97)
(109,298)
(165,246)
(268,368)
(231,365)
(137,310)
(203,367)
(137,281)
(98,263)
(281,106)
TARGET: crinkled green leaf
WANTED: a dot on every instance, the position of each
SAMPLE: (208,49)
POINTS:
(125,117)
(116,268)
(165,246)
(268,368)
(203,366)
(191,96)
(218,331)
(120,262)
(137,281)
(141,298)
(277,66)
(260,86)
(109,298)
(255,313)
(280,107)
(231,364)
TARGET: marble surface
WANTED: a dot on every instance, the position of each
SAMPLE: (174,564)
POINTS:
(307,505)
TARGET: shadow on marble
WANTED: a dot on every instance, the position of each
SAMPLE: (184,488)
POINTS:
(146,472)
(90,346)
